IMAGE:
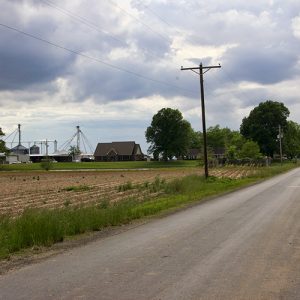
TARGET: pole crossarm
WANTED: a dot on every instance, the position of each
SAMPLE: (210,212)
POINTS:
(203,68)
(201,73)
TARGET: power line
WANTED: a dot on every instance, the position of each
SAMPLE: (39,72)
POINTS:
(162,20)
(138,20)
(157,16)
(93,26)
(228,77)
(7,137)
(97,60)
(81,20)
(200,71)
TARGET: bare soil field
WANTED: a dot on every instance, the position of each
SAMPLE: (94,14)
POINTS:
(55,189)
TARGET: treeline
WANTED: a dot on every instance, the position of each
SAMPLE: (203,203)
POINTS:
(171,136)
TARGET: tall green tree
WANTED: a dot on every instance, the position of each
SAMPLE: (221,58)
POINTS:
(3,148)
(224,138)
(291,140)
(216,137)
(262,124)
(169,134)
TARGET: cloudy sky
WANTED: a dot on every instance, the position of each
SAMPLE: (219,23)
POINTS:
(109,66)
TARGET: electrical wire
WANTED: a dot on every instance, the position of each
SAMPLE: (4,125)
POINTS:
(66,144)
(158,16)
(138,20)
(162,20)
(87,142)
(97,60)
(6,138)
(95,27)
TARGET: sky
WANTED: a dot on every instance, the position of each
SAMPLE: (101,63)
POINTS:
(109,66)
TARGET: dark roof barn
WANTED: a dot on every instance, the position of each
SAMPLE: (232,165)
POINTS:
(118,151)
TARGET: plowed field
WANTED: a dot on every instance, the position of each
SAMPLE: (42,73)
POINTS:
(21,190)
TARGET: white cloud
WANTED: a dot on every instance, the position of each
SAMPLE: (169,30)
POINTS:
(296,26)
(51,90)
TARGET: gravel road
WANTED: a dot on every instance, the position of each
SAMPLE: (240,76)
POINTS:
(245,245)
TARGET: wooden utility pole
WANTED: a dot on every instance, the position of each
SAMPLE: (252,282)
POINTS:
(280,135)
(199,71)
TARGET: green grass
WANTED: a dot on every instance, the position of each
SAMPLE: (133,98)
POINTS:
(104,165)
(125,187)
(45,227)
(77,188)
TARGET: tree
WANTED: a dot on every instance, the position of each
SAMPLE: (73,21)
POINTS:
(250,150)
(196,140)
(262,125)
(291,140)
(231,152)
(3,148)
(169,134)
(234,144)
(225,139)
(73,151)
(216,137)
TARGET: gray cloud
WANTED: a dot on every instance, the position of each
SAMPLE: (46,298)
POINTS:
(261,65)
(263,51)
(105,84)
(24,65)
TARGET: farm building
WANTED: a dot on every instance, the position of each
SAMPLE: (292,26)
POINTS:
(193,153)
(118,151)
(19,149)
(18,153)
(34,149)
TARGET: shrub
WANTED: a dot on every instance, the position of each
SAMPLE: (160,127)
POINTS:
(46,164)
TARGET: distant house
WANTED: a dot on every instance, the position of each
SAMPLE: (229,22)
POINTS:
(118,151)
(192,154)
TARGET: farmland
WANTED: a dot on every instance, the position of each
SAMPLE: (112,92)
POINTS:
(67,203)
(57,189)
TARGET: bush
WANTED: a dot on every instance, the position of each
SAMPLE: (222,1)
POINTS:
(46,164)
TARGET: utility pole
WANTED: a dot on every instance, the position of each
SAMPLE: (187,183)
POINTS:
(19,131)
(199,71)
(280,135)
(78,137)
(46,145)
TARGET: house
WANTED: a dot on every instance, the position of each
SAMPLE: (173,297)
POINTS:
(219,152)
(118,151)
(192,154)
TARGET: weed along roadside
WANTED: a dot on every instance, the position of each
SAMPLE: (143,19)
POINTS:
(44,227)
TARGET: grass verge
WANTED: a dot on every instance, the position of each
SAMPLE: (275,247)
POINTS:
(104,165)
(46,227)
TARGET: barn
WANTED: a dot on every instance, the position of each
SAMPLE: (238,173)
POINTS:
(118,151)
